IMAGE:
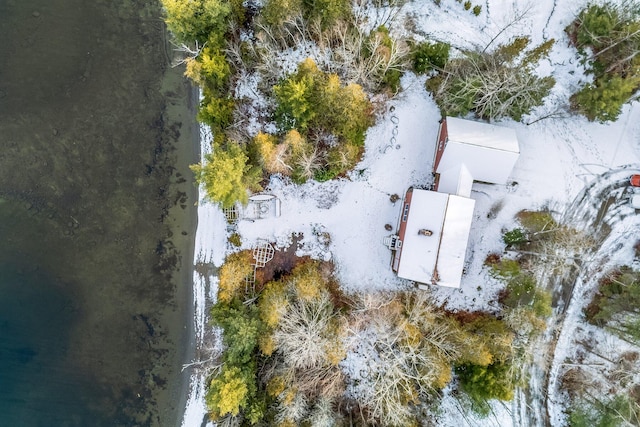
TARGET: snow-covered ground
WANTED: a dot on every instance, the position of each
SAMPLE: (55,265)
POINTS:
(559,156)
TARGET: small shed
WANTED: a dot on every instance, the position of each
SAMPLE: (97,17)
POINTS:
(434,231)
(470,151)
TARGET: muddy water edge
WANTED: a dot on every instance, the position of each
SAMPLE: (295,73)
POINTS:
(97,215)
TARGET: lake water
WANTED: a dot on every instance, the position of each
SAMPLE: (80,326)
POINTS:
(96,215)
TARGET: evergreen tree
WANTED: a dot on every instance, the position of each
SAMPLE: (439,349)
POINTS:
(603,100)
(327,12)
(242,327)
(429,56)
(216,111)
(502,83)
(608,38)
(276,12)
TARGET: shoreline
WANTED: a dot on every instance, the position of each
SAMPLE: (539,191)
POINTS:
(208,253)
(184,110)
(189,342)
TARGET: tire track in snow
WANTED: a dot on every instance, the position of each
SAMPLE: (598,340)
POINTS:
(545,34)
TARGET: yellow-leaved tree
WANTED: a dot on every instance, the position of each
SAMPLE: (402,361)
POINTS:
(191,20)
(226,175)
(237,267)
(274,155)
(227,393)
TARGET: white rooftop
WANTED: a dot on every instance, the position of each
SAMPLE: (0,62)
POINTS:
(488,153)
(455,236)
(482,134)
(449,218)
(457,180)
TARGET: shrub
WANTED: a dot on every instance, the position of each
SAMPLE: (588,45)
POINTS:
(514,237)
(536,221)
(477,9)
(235,239)
(521,291)
(506,268)
(325,174)
(392,79)
(429,56)
(276,12)
(492,259)
(482,383)
(467,5)
(327,12)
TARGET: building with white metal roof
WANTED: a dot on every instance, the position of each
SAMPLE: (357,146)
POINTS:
(434,236)
(434,227)
(472,151)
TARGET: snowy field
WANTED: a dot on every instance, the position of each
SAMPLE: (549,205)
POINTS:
(560,156)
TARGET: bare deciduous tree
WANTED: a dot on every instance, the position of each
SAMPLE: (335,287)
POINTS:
(562,249)
(308,163)
(349,49)
(323,414)
(186,52)
(301,335)
(292,407)
(411,354)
